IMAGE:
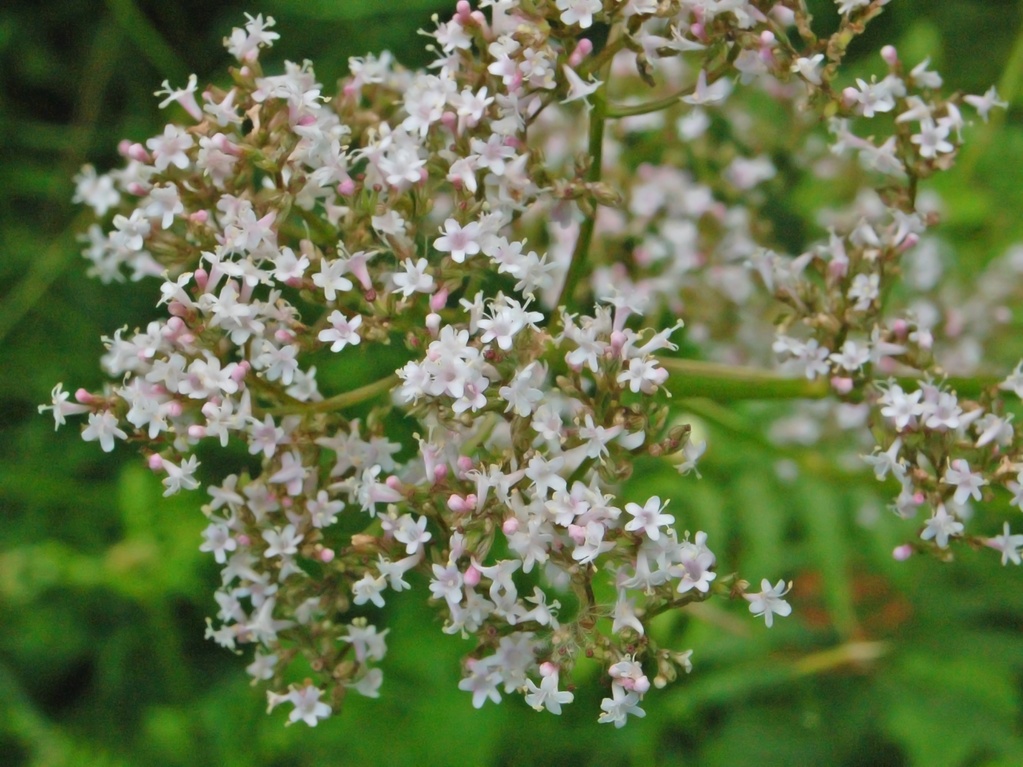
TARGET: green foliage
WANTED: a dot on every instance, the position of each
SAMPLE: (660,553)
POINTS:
(103,592)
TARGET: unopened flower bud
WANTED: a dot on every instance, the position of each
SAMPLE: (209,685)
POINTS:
(902,553)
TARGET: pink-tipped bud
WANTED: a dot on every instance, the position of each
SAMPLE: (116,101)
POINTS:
(243,539)
(510,526)
(911,239)
(346,188)
(890,55)
(174,409)
(900,328)
(902,553)
(284,335)
(577,533)
(849,96)
(393,482)
(450,121)
(841,384)
(84,397)
(438,300)
(472,576)
(196,431)
(432,323)
(458,504)
(137,189)
(201,277)
(464,463)
(439,473)
(547,668)
(618,340)
(199,216)
(584,49)
(326,555)
(138,153)
(463,11)
(155,462)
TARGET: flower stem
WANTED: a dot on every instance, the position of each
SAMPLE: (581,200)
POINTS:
(340,401)
(727,383)
(582,246)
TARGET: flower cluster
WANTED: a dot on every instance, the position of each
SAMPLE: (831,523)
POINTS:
(528,276)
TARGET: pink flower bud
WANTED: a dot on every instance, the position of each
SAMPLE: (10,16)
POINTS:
(243,539)
(547,668)
(457,504)
(346,188)
(439,472)
(582,50)
(438,300)
(472,576)
(84,397)
(890,55)
(155,462)
(841,384)
(393,482)
(433,321)
(326,555)
(464,463)
(174,409)
(902,553)
(510,526)
(138,153)
(196,431)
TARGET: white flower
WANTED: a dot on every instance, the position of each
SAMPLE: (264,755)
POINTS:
(768,601)
(1008,544)
(547,694)
(648,517)
(460,241)
(941,526)
(984,104)
(579,11)
(967,483)
(342,331)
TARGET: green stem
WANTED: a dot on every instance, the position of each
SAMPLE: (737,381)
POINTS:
(615,111)
(727,383)
(582,246)
(340,401)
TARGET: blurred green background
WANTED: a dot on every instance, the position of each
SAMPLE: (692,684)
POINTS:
(103,592)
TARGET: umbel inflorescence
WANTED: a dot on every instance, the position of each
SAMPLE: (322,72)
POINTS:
(523,223)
